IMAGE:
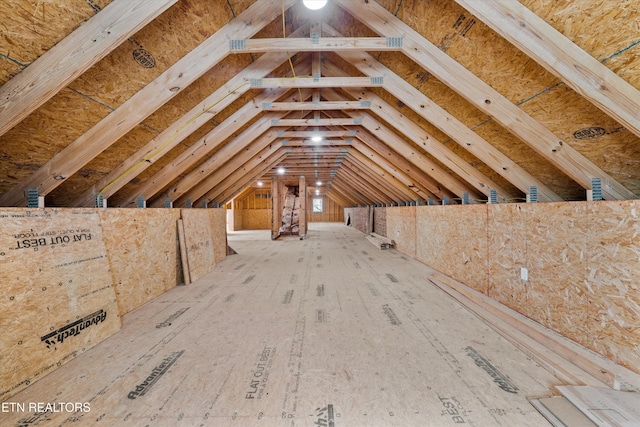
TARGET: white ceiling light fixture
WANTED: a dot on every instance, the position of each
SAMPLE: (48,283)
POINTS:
(281,171)
(314,4)
(259,183)
(319,183)
(316,138)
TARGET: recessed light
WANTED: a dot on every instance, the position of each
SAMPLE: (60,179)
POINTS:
(281,171)
(316,138)
(314,4)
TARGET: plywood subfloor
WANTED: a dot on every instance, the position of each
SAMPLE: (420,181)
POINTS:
(327,331)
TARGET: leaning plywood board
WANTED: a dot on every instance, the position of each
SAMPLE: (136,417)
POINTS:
(613,277)
(57,299)
(217,225)
(561,413)
(605,407)
(197,230)
(142,249)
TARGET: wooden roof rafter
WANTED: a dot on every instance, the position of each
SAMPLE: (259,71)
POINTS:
(146,101)
(485,98)
(388,184)
(363,162)
(73,55)
(188,123)
(228,181)
(561,57)
(440,118)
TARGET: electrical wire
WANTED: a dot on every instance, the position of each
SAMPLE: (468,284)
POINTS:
(147,159)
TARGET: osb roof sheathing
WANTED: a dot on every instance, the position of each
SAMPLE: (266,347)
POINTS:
(605,29)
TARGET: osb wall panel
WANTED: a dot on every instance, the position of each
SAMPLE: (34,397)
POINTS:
(358,218)
(507,246)
(256,219)
(380,221)
(198,237)
(582,261)
(401,227)
(218,226)
(556,245)
(454,239)
(431,237)
(142,245)
(613,278)
(56,299)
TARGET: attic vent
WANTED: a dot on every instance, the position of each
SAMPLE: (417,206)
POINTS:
(237,44)
(596,189)
(394,41)
(377,81)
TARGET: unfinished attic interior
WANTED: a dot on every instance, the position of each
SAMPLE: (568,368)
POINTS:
(190,190)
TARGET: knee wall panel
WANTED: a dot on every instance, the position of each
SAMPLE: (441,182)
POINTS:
(57,297)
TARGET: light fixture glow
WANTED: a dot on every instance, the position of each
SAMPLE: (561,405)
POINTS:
(317,192)
(316,138)
(281,171)
(314,4)
(319,183)
(259,183)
